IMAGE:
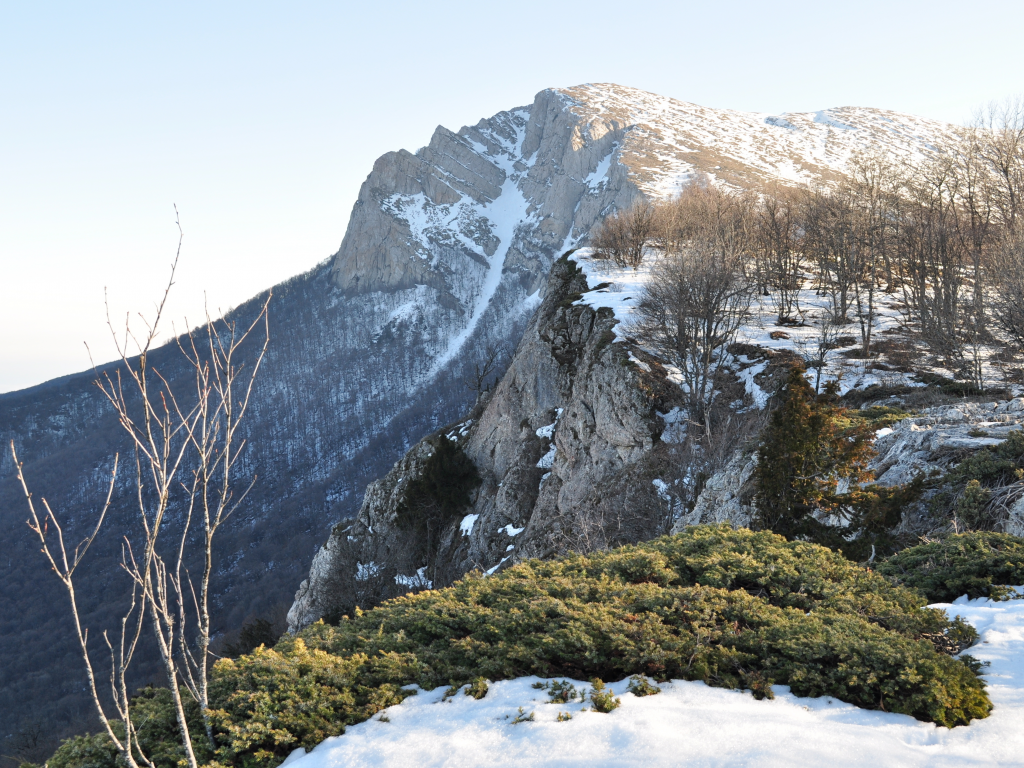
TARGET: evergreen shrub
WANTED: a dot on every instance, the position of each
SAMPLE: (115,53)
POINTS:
(736,609)
(811,445)
(966,493)
(91,751)
(603,699)
(639,685)
(977,564)
(156,727)
(434,498)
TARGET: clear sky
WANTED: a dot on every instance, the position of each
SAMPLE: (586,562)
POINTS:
(261,120)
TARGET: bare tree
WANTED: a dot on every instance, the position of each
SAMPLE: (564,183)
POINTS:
(1002,147)
(477,381)
(1007,263)
(626,235)
(830,241)
(185,446)
(779,258)
(874,189)
(976,213)
(698,296)
(933,257)
(824,342)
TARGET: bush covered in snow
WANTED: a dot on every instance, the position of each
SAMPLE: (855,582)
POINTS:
(978,564)
(736,609)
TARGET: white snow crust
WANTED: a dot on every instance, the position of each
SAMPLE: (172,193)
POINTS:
(692,724)
(466,526)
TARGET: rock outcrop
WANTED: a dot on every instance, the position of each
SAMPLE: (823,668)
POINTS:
(568,450)
(941,436)
(727,497)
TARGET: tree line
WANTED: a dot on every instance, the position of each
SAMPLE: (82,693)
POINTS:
(943,236)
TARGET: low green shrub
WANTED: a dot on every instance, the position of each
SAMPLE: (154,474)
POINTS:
(602,699)
(275,700)
(92,751)
(477,689)
(156,727)
(639,685)
(560,691)
(522,717)
(966,492)
(977,564)
(733,608)
(736,609)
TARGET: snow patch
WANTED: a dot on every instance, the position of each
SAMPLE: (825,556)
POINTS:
(675,426)
(690,723)
(466,526)
(417,580)
(599,177)
(490,571)
(746,375)
(367,571)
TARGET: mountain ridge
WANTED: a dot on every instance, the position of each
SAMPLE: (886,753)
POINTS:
(445,255)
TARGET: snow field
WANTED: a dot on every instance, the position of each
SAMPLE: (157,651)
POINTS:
(692,724)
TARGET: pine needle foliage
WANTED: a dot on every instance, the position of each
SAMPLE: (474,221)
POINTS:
(157,727)
(976,564)
(810,447)
(733,608)
(603,699)
(970,492)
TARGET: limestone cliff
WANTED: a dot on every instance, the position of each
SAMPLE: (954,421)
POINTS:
(568,449)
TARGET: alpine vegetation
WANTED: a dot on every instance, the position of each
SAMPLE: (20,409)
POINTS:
(603,402)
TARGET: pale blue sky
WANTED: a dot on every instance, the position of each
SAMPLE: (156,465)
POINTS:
(260,120)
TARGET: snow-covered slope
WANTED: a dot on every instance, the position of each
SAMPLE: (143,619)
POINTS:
(690,723)
(665,141)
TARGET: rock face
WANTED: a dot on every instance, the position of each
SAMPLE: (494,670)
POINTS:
(727,496)
(568,450)
(939,436)
(504,194)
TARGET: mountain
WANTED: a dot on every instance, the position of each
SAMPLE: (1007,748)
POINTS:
(444,261)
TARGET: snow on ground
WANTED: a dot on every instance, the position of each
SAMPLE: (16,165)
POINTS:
(668,140)
(466,526)
(692,724)
(621,287)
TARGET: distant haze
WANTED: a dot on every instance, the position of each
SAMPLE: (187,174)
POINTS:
(261,121)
